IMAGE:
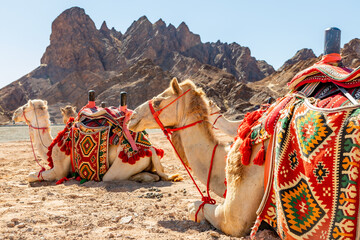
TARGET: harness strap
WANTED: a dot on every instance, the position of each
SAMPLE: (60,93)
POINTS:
(208,199)
(32,145)
(167,132)
(216,121)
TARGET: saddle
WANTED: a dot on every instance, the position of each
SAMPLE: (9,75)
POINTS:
(313,189)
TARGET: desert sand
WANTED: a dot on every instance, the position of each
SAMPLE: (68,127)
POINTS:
(98,210)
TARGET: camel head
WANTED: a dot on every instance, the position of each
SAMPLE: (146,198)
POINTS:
(34,113)
(67,112)
(191,106)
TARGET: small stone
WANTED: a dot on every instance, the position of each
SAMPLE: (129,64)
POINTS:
(11,224)
(29,230)
(126,219)
(215,234)
(21,225)
(111,235)
(15,220)
(43,198)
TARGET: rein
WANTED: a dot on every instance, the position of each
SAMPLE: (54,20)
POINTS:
(220,115)
(167,131)
(31,141)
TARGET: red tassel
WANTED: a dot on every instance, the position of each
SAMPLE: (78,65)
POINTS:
(148,153)
(260,156)
(244,130)
(78,178)
(225,182)
(245,151)
(62,180)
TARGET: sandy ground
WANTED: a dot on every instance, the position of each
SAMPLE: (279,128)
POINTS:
(97,210)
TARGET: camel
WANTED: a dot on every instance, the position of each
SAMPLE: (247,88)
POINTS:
(243,182)
(68,112)
(186,105)
(35,114)
(222,123)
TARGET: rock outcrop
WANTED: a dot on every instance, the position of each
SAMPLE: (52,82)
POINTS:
(142,61)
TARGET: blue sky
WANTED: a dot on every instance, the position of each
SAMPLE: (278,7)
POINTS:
(273,30)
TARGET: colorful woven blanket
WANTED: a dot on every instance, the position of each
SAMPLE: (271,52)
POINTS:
(327,70)
(312,191)
(315,181)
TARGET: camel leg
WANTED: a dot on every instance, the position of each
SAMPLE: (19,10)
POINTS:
(123,171)
(237,214)
(145,177)
(60,169)
(160,169)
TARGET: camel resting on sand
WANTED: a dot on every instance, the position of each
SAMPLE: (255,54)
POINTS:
(328,132)
(35,114)
(237,214)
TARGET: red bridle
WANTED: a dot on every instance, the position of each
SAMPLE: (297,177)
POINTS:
(220,115)
(32,145)
(167,132)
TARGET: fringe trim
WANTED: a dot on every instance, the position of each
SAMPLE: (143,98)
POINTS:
(60,142)
(244,132)
(140,154)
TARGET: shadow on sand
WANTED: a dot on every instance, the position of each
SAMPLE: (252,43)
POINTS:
(120,186)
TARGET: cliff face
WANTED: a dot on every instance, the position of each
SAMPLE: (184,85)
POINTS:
(142,61)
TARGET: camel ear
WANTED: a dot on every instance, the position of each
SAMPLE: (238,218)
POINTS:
(62,110)
(30,103)
(45,102)
(74,108)
(175,86)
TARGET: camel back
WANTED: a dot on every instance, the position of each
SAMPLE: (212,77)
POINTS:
(312,189)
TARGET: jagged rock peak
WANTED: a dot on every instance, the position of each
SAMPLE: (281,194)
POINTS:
(160,23)
(104,27)
(183,27)
(301,55)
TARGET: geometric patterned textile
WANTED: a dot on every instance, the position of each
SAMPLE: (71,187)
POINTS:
(315,187)
(90,153)
(327,71)
(111,119)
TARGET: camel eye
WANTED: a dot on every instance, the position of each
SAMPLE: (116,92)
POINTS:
(157,103)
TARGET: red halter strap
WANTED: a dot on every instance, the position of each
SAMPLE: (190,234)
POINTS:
(32,145)
(31,126)
(167,132)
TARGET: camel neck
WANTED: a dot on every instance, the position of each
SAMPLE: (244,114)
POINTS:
(198,145)
(41,139)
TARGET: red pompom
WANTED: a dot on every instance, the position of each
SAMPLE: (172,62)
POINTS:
(260,156)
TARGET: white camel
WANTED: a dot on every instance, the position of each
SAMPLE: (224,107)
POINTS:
(219,121)
(36,115)
(245,184)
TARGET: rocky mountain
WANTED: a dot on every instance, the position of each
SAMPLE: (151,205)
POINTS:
(142,62)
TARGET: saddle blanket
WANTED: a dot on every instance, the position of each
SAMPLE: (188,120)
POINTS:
(314,186)
(90,152)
